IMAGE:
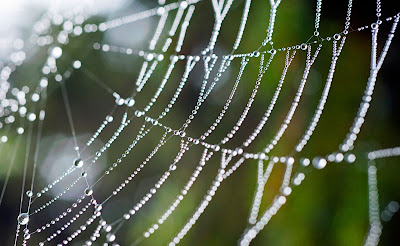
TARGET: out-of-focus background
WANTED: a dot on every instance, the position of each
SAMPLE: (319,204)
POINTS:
(330,207)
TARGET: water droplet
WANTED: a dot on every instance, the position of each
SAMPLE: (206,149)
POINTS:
(23,219)
(78,162)
(29,193)
(56,52)
(336,36)
(119,101)
(305,162)
(319,163)
(77,64)
(98,207)
(110,237)
(350,158)
(88,191)
(129,102)
(109,118)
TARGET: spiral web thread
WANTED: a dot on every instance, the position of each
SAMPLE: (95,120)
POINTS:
(32,117)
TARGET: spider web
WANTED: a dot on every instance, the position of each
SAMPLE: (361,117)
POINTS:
(86,209)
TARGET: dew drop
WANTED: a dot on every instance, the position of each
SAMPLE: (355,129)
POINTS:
(78,162)
(88,191)
(29,193)
(23,219)
(110,237)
